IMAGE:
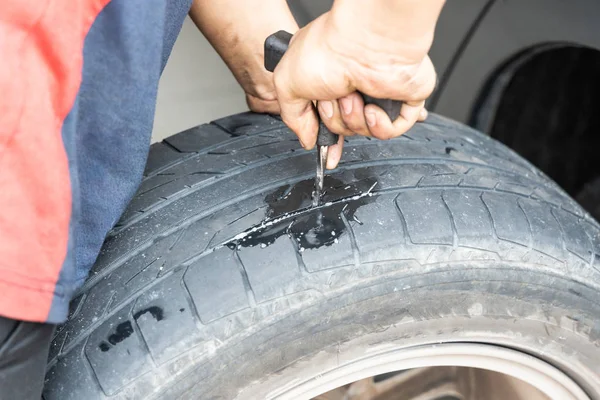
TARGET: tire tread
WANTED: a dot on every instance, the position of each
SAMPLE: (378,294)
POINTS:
(165,249)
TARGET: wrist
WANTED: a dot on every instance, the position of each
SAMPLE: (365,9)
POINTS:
(237,32)
(398,30)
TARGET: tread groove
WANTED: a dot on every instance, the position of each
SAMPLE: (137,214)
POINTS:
(489,213)
(109,302)
(402,221)
(257,145)
(246,281)
(78,308)
(591,251)
(562,230)
(452,222)
(62,346)
(169,145)
(141,270)
(90,368)
(178,238)
(243,216)
(352,236)
(138,332)
(530,241)
(155,187)
(190,302)
(301,265)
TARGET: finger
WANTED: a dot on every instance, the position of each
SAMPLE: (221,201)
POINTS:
(262,106)
(382,128)
(352,108)
(423,115)
(334,153)
(301,118)
(298,114)
(331,116)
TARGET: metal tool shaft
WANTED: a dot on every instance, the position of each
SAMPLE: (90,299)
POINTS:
(321,164)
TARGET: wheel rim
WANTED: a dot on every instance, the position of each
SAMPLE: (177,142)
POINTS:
(436,372)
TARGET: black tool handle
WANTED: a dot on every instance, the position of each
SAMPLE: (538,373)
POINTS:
(275,47)
(277,44)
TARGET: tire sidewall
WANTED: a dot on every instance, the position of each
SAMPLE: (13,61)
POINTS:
(540,314)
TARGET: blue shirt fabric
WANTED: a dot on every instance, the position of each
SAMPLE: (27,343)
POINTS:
(107,132)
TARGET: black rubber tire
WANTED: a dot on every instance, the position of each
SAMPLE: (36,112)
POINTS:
(462,241)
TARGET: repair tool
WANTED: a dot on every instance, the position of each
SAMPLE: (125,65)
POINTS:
(275,47)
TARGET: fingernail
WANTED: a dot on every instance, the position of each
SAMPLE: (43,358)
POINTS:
(326,108)
(423,113)
(346,104)
(302,143)
(371,119)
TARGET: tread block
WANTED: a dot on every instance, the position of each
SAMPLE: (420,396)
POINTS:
(157,250)
(160,156)
(98,298)
(261,145)
(576,240)
(515,187)
(471,219)
(77,368)
(169,188)
(135,273)
(544,227)
(237,218)
(203,169)
(166,320)
(337,254)
(57,343)
(447,179)
(547,193)
(480,179)
(211,231)
(116,352)
(508,220)
(379,238)
(198,138)
(403,176)
(216,285)
(274,272)
(426,217)
(249,123)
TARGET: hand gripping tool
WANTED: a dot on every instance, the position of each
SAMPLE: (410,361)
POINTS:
(275,47)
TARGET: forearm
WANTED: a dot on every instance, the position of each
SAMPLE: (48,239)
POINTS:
(237,30)
(403,27)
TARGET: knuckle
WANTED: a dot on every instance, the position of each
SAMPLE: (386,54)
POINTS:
(340,129)
(356,126)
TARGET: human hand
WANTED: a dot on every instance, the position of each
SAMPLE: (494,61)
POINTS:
(237,31)
(329,61)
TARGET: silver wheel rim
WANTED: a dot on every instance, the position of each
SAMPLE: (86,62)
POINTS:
(547,379)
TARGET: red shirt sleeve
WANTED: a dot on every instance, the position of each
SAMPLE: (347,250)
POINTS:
(41,60)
